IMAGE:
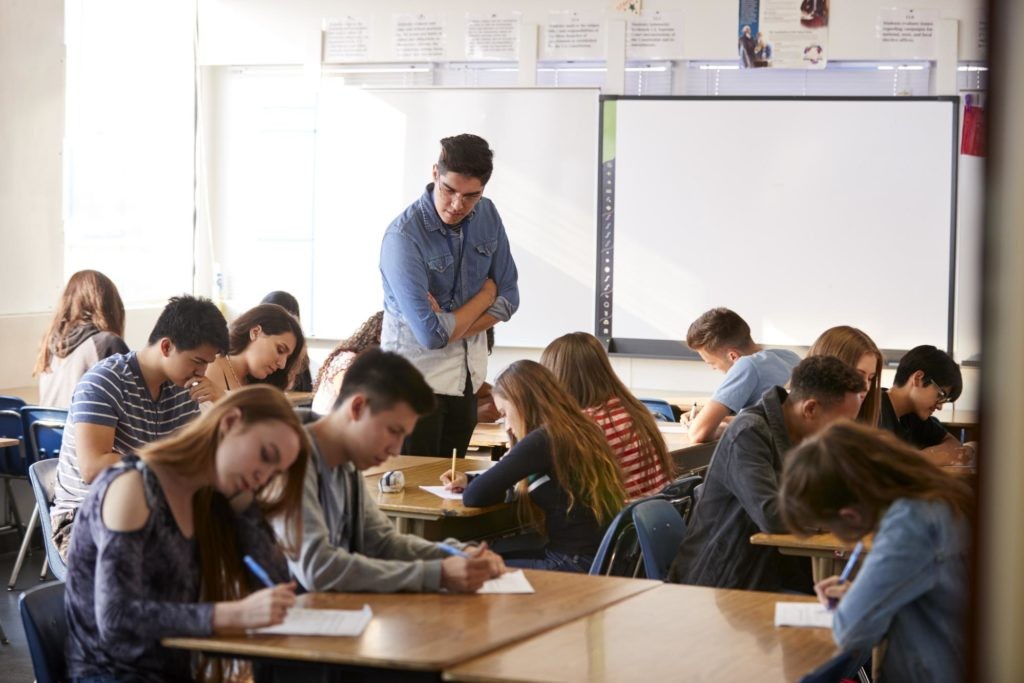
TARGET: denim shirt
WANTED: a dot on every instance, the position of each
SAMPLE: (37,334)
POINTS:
(420,254)
(912,588)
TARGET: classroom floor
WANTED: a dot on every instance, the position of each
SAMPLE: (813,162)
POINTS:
(14,657)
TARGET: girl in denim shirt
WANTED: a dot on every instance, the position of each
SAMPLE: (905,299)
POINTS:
(912,588)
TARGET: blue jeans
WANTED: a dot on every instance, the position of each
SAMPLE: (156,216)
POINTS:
(554,561)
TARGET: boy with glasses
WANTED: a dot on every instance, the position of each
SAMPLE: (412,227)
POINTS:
(448,277)
(925,379)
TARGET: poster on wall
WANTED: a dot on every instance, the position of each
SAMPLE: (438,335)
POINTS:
(906,33)
(418,37)
(783,34)
(573,35)
(346,39)
(493,35)
(654,35)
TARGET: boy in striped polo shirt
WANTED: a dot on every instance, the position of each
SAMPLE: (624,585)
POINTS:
(128,400)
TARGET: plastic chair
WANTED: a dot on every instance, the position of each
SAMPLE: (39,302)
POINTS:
(619,552)
(12,464)
(43,476)
(843,667)
(11,403)
(46,629)
(32,414)
(659,530)
(661,410)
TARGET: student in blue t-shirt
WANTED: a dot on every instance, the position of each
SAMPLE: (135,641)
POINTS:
(722,338)
(129,400)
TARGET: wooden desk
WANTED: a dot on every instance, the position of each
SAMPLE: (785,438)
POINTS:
(6,442)
(300,399)
(404,462)
(424,514)
(827,552)
(29,394)
(422,634)
(671,633)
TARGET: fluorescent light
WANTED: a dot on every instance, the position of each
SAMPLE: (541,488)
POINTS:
(719,67)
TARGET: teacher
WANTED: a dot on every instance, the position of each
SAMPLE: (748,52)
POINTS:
(448,277)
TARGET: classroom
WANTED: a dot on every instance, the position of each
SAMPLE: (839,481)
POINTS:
(811,165)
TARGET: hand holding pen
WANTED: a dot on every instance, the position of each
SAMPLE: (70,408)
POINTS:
(832,589)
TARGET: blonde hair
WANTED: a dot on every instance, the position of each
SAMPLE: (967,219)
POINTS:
(581,458)
(849,345)
(848,464)
(582,367)
(88,297)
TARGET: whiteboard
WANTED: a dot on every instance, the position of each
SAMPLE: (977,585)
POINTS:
(799,214)
(374,153)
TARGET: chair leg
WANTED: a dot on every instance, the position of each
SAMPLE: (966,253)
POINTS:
(3,636)
(32,522)
(46,566)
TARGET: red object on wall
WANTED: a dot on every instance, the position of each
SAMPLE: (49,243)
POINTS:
(972,140)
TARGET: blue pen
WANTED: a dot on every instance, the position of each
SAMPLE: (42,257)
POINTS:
(445,548)
(259,572)
(854,556)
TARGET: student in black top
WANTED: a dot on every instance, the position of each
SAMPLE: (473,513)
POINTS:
(568,482)
(740,495)
(925,379)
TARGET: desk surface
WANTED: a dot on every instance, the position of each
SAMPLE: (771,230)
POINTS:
(490,434)
(815,543)
(404,462)
(431,631)
(415,501)
(5,442)
(669,633)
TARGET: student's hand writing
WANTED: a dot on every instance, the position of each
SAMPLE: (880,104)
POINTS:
(457,485)
(265,607)
(466,575)
(496,561)
(203,389)
(433,303)
(965,455)
(831,588)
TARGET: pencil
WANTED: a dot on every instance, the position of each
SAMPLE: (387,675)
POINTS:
(455,452)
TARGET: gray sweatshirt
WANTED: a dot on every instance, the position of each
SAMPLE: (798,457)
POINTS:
(349,545)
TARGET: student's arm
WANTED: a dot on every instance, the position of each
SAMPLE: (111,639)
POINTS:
(506,275)
(470,313)
(532,455)
(703,428)
(753,480)
(94,448)
(899,569)
(949,452)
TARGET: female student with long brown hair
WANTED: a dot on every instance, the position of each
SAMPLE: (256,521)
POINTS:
(581,365)
(332,371)
(265,346)
(87,326)
(568,482)
(913,587)
(158,543)
(856,349)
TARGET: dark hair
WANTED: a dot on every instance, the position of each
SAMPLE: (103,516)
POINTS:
(467,155)
(90,297)
(366,336)
(846,464)
(825,379)
(189,322)
(284,300)
(272,319)
(386,379)
(937,366)
(719,329)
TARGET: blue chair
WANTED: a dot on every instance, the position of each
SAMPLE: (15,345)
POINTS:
(12,465)
(11,403)
(680,493)
(29,416)
(661,410)
(46,629)
(43,477)
(619,552)
(659,530)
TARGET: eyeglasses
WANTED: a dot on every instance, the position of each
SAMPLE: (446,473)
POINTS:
(451,195)
(943,395)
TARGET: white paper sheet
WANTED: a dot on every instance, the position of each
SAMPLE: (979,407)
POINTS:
(509,582)
(440,492)
(321,622)
(803,614)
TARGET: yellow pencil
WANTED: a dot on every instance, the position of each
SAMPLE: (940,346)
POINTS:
(455,452)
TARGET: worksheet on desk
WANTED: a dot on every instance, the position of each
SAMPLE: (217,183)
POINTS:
(802,614)
(302,621)
(509,582)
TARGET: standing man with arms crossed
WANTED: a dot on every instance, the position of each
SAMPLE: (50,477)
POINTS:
(448,276)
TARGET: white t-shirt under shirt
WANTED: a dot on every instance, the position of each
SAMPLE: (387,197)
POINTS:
(751,376)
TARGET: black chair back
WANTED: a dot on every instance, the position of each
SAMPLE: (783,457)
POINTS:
(46,629)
